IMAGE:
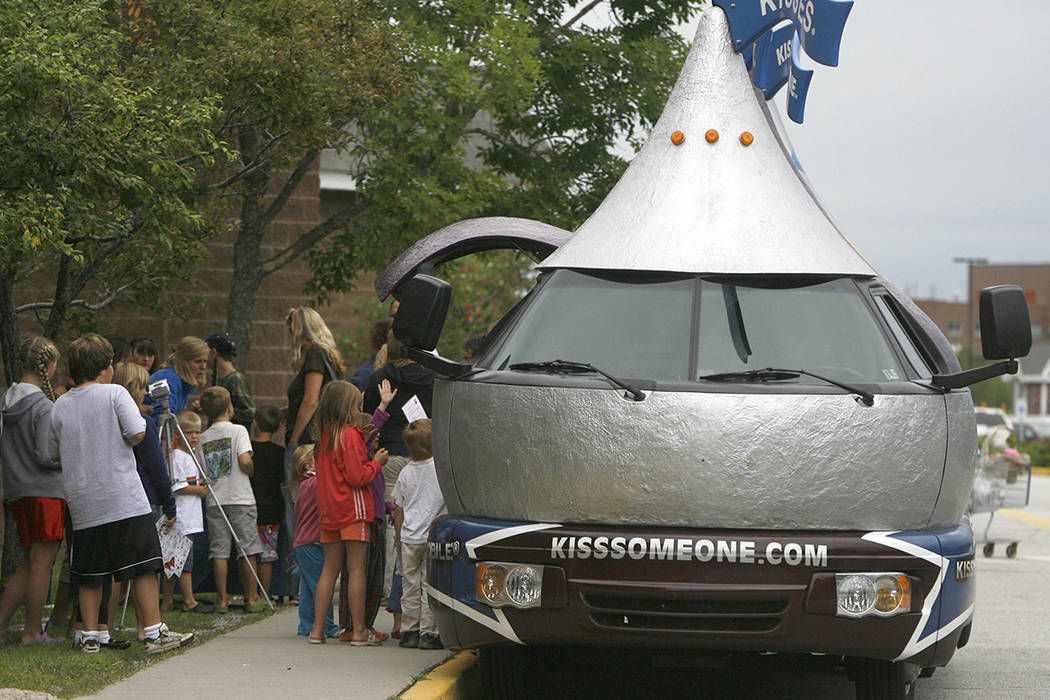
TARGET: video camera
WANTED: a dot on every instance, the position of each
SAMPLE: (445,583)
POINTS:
(158,391)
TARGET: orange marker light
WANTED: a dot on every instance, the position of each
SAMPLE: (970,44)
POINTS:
(711,135)
(677,138)
(747,138)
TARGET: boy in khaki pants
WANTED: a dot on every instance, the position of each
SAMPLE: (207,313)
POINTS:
(419,501)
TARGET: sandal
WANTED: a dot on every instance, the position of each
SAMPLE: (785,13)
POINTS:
(381,636)
(45,638)
(371,641)
(317,640)
(260,606)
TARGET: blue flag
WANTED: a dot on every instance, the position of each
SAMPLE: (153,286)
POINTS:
(819,23)
(772,62)
(798,85)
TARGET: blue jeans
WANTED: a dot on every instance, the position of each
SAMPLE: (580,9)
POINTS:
(311,561)
(289,578)
(393,599)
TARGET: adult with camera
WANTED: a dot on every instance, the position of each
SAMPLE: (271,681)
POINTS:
(185,371)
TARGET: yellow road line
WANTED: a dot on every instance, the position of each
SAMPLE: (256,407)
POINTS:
(1032,519)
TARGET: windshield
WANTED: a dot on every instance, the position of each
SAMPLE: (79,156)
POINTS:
(680,328)
(825,328)
(629,328)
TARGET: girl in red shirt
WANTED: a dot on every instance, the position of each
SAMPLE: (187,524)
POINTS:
(344,502)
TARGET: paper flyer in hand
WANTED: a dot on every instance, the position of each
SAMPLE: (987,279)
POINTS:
(174,548)
(413,409)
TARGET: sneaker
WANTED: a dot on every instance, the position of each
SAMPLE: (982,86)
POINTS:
(89,646)
(167,640)
(410,640)
(430,641)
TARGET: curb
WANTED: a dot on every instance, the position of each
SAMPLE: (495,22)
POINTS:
(449,681)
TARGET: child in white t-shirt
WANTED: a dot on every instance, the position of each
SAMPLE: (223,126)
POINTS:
(418,502)
(188,494)
(225,453)
(93,428)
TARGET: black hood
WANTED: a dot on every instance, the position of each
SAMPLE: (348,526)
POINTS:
(411,376)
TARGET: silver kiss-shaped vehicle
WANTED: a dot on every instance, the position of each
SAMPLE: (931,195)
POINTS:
(711,424)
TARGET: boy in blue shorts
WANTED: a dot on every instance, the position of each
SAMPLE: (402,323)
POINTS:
(93,428)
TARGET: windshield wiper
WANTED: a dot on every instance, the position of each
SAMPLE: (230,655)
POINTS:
(772,374)
(568,367)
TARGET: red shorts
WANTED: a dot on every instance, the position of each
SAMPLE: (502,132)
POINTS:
(354,532)
(39,519)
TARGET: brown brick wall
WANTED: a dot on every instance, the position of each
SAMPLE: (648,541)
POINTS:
(950,317)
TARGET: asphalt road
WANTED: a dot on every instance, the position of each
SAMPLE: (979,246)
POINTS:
(1008,655)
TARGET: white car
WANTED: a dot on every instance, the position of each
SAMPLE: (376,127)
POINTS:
(1035,427)
(990,418)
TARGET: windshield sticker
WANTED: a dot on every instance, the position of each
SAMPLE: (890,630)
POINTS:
(685,549)
(891,374)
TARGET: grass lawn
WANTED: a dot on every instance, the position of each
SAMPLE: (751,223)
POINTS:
(61,670)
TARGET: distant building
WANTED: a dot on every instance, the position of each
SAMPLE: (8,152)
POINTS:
(1032,381)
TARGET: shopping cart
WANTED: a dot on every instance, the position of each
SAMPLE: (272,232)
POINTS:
(1003,481)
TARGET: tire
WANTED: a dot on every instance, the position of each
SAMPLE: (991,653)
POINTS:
(964,637)
(1011,550)
(989,549)
(503,672)
(876,679)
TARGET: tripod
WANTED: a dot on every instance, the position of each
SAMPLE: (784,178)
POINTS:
(169,428)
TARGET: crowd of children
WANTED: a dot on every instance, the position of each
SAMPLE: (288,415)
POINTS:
(100,467)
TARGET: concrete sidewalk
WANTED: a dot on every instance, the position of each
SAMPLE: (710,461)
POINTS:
(267,660)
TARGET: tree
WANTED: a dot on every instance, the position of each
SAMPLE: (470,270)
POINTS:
(514,108)
(138,127)
(290,75)
(98,186)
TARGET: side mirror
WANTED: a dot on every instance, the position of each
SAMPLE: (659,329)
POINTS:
(421,314)
(1006,334)
(1006,331)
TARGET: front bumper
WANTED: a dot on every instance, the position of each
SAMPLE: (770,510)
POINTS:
(726,590)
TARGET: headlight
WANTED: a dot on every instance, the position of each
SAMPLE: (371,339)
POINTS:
(878,594)
(517,585)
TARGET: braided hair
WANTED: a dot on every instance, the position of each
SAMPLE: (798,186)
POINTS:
(35,354)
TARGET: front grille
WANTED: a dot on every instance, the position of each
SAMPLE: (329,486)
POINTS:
(699,614)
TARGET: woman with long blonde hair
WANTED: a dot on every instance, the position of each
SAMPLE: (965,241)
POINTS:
(185,371)
(318,361)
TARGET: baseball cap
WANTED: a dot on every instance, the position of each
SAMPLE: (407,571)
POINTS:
(222,343)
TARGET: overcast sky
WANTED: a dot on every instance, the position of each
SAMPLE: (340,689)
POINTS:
(930,139)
